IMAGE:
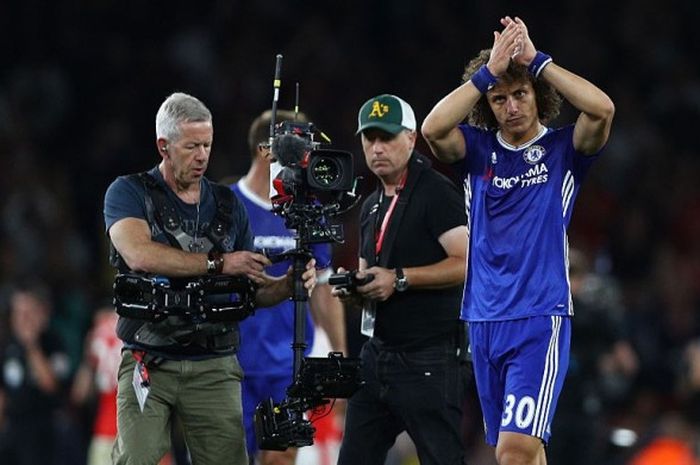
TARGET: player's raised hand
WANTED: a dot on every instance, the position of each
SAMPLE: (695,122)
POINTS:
(525,50)
(504,46)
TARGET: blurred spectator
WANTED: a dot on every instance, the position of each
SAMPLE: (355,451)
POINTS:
(671,441)
(602,367)
(673,437)
(97,375)
(690,382)
(34,369)
(98,372)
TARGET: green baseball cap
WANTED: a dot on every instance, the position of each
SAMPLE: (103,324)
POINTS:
(386,112)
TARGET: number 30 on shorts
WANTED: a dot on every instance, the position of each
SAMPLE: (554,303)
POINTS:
(523,414)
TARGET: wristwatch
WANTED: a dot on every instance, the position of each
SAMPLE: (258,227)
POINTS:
(215,262)
(401,282)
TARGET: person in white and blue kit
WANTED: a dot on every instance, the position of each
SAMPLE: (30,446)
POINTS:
(520,179)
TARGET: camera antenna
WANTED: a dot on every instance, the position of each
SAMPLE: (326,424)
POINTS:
(276,83)
(296,102)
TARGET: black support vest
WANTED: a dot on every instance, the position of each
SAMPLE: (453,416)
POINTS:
(178,335)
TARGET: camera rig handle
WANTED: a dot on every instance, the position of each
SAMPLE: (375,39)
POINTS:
(154,298)
(299,256)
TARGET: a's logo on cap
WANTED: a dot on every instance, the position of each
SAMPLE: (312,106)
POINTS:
(378,109)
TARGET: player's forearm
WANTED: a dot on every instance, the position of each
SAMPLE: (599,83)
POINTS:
(440,126)
(450,111)
(273,291)
(335,330)
(329,314)
(582,94)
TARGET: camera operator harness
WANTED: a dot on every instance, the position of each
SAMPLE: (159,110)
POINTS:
(203,311)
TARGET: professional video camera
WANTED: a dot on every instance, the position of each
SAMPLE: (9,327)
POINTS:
(309,169)
(312,185)
(211,298)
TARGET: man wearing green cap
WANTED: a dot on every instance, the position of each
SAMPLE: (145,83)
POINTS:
(413,243)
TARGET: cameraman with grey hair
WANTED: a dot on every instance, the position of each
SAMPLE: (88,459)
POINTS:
(172,222)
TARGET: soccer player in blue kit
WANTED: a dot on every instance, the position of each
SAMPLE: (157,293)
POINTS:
(521,179)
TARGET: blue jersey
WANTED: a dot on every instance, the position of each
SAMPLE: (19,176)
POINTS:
(266,337)
(519,202)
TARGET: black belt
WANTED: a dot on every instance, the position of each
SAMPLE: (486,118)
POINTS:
(217,342)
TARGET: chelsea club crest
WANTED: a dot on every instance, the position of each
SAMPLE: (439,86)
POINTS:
(533,154)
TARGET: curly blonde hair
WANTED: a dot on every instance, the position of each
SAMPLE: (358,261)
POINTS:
(547,99)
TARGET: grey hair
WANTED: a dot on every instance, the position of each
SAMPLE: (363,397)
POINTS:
(176,109)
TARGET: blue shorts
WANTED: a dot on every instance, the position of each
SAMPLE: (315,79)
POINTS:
(519,367)
(256,389)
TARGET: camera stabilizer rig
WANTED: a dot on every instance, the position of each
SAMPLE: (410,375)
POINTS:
(157,297)
(312,186)
(279,426)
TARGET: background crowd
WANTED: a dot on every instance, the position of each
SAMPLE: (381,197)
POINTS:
(80,83)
